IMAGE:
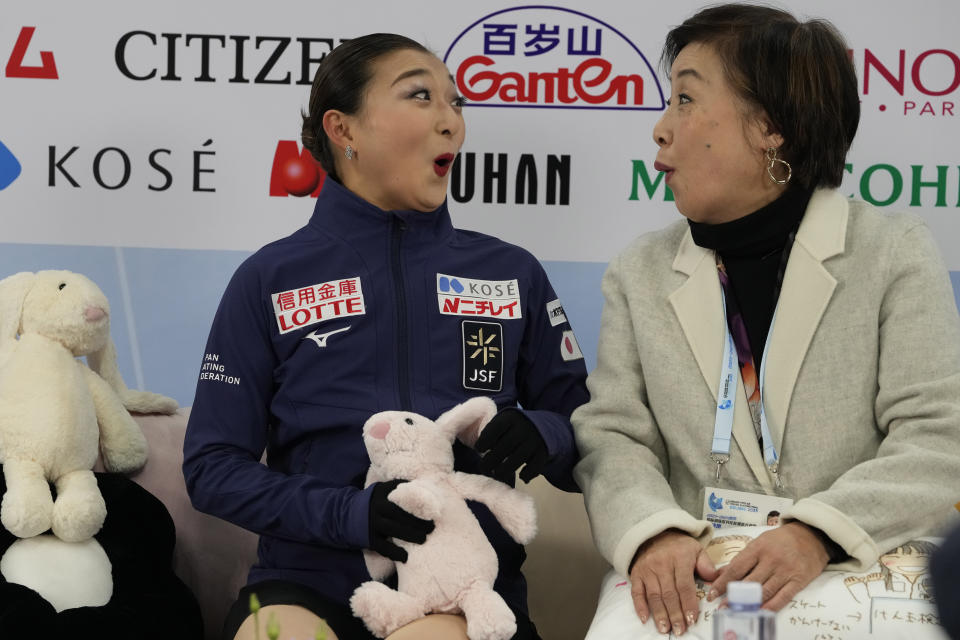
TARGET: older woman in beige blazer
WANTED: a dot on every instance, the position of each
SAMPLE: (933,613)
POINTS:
(862,380)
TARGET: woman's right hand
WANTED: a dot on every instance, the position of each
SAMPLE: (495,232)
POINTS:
(387,520)
(662,583)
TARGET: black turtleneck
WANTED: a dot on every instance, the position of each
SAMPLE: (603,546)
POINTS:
(751,248)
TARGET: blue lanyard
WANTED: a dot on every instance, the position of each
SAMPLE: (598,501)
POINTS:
(727,402)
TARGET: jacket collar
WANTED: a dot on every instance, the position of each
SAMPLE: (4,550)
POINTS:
(342,213)
(822,232)
(807,289)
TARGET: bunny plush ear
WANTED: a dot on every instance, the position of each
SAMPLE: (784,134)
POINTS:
(13,291)
(104,363)
(467,418)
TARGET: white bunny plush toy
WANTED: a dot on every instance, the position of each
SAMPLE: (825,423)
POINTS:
(55,411)
(453,571)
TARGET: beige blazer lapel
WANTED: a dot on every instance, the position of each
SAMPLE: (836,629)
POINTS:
(699,309)
(807,289)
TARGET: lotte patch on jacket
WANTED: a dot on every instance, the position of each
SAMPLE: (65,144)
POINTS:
(482,355)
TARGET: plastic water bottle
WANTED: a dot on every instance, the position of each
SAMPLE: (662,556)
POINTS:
(743,619)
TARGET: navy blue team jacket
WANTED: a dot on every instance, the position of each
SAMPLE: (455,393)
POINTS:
(361,311)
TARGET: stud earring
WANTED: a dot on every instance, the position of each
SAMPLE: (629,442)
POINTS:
(772,159)
(348,152)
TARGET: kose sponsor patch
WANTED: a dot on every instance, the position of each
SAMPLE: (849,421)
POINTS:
(458,296)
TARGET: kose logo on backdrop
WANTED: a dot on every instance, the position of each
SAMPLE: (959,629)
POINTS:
(15,67)
(144,55)
(112,167)
(9,167)
(923,83)
(551,57)
(295,172)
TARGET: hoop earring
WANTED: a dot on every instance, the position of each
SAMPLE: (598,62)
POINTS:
(773,159)
(348,152)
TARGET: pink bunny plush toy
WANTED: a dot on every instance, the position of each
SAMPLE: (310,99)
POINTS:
(453,571)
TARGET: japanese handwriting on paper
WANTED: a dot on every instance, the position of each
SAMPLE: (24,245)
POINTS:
(910,617)
(819,623)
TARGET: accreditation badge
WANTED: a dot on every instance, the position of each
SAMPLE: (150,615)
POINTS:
(728,508)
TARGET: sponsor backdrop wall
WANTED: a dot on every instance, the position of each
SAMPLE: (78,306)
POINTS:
(153,146)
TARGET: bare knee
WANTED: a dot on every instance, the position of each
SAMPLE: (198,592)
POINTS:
(440,626)
(293,622)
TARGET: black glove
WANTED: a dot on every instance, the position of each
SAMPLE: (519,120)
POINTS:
(387,520)
(511,441)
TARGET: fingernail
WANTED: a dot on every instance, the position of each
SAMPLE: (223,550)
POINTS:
(643,619)
(677,630)
(664,627)
(713,594)
(691,618)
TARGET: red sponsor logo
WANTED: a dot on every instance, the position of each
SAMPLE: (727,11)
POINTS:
(479,81)
(295,172)
(551,57)
(15,66)
(309,305)
(459,306)
(912,82)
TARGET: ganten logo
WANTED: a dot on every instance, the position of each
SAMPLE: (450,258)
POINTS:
(9,167)
(551,57)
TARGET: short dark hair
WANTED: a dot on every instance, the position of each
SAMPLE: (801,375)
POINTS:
(341,82)
(799,73)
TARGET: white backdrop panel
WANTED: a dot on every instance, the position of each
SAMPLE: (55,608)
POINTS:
(909,117)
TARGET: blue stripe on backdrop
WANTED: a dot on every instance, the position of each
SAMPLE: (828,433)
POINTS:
(174,294)
(165,300)
(955,280)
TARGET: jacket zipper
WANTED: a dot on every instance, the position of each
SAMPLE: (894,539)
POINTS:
(403,343)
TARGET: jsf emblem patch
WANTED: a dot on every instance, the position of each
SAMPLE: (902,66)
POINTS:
(482,355)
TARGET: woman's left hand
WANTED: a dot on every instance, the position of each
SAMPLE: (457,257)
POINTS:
(784,560)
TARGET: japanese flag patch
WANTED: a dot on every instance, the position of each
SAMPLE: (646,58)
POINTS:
(569,349)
